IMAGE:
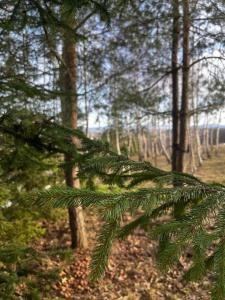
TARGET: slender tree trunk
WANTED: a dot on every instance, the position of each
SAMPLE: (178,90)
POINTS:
(169,139)
(129,133)
(198,145)
(218,133)
(206,136)
(162,142)
(108,132)
(192,130)
(117,136)
(163,147)
(139,138)
(196,123)
(191,134)
(155,154)
(69,118)
(211,140)
(130,142)
(185,88)
(196,128)
(144,144)
(175,83)
(86,104)
(148,133)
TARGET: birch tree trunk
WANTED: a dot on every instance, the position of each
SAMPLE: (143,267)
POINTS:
(108,137)
(192,144)
(206,136)
(144,144)
(211,140)
(139,137)
(163,145)
(117,136)
(218,133)
(196,123)
(149,146)
(129,136)
(194,140)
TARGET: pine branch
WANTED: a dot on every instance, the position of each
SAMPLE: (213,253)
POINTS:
(102,249)
(200,202)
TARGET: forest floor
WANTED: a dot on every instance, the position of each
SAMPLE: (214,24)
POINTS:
(132,273)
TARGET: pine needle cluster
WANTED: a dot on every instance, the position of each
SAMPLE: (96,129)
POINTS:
(196,210)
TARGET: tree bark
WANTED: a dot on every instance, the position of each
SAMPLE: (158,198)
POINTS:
(149,149)
(69,119)
(211,140)
(108,131)
(117,135)
(185,88)
(218,133)
(144,144)
(162,141)
(191,134)
(175,83)
(195,153)
(196,122)
(86,102)
(129,135)
(163,147)
(139,137)
(206,137)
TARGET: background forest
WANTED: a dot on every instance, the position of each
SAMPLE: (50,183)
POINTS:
(112,149)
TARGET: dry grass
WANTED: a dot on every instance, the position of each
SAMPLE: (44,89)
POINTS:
(212,170)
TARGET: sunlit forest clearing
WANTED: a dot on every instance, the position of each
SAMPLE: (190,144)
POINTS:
(112,150)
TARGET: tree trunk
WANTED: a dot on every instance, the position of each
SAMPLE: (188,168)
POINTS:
(149,149)
(130,141)
(162,143)
(108,132)
(86,104)
(169,139)
(139,137)
(69,119)
(218,133)
(211,141)
(163,146)
(198,145)
(191,134)
(185,88)
(175,84)
(196,123)
(144,144)
(129,135)
(206,136)
(117,136)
